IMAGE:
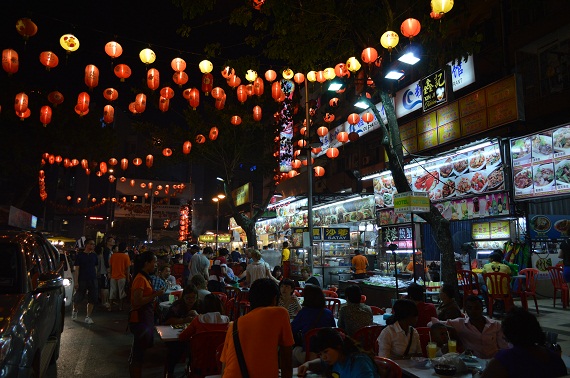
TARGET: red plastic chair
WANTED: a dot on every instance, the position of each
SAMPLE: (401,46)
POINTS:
(231,308)
(203,347)
(219,350)
(298,291)
(232,292)
(333,304)
(223,297)
(310,333)
(363,298)
(330,293)
(367,337)
(558,283)
(424,338)
(388,368)
(377,310)
(177,270)
(469,282)
(499,288)
(529,287)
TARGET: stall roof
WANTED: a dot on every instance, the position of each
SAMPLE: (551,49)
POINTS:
(320,199)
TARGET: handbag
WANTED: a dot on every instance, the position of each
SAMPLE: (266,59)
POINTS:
(239,352)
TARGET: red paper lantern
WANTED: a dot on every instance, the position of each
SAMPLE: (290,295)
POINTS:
(319,171)
(316,150)
(180,78)
(235,120)
(328,117)
(124,164)
(137,161)
(108,114)
(353,119)
(299,78)
(153,79)
(305,162)
(341,70)
(24,115)
(332,152)
(257,113)
(45,115)
(149,160)
(369,55)
(321,77)
(258,86)
(213,135)
(217,93)
(167,92)
(234,81)
(241,93)
(122,71)
(163,104)
(21,103)
(167,152)
(91,76)
(368,117)
(270,75)
(200,139)
(83,102)
(276,91)
(178,64)
(301,143)
(293,173)
(220,103)
(322,131)
(10,61)
(186,147)
(74,162)
(84,163)
(26,28)
(296,164)
(207,83)
(410,28)
(49,60)
(113,162)
(140,103)
(113,49)
(103,167)
(55,98)
(228,72)
(194,98)
(342,137)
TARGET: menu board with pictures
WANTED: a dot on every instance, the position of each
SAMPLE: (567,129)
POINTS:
(462,174)
(541,163)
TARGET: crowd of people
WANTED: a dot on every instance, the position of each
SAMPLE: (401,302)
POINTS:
(272,334)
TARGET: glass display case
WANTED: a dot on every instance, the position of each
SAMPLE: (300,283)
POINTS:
(488,236)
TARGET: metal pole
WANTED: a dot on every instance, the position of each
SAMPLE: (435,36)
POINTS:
(413,250)
(309,177)
(150,218)
(217,222)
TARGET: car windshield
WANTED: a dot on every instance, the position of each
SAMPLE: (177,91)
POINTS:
(9,270)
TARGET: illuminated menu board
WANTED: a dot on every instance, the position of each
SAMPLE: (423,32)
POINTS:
(541,163)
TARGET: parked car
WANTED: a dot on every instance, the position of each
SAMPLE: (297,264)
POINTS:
(32,303)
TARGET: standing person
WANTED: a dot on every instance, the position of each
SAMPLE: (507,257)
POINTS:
(285,264)
(103,267)
(236,256)
(186,257)
(354,315)
(257,269)
(119,266)
(426,311)
(141,317)
(399,339)
(418,271)
(359,264)
(264,334)
(564,254)
(200,263)
(85,278)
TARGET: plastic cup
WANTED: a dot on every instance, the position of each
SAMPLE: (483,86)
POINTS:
(171,298)
(431,350)
(452,346)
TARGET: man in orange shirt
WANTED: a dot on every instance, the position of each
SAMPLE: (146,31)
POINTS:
(359,264)
(264,334)
(119,266)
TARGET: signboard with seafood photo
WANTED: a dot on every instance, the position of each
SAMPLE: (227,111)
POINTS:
(541,163)
(549,226)
(463,174)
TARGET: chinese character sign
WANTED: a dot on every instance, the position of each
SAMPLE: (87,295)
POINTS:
(434,90)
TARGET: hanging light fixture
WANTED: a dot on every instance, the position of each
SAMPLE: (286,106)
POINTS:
(147,56)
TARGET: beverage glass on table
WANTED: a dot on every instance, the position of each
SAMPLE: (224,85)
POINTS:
(431,349)
(452,346)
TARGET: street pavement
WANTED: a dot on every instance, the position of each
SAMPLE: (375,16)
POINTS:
(102,349)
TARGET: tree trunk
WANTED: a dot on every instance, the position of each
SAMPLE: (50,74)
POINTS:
(248,226)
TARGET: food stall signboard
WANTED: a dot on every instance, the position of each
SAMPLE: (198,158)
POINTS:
(336,234)
(434,90)
(411,202)
(242,195)
(222,238)
(480,231)
(549,226)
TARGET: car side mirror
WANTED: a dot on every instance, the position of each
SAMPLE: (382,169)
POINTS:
(49,281)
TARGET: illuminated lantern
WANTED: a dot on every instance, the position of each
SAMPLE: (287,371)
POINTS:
(228,72)
(258,86)
(132,108)
(329,73)
(83,102)
(69,43)
(167,152)
(137,161)
(296,153)
(410,28)
(319,171)
(124,164)
(276,90)
(91,76)
(149,160)
(103,167)
(305,162)
(250,75)
(342,137)
(288,74)
(293,173)
(332,152)
(333,102)
(328,117)
(322,131)
(113,162)
(369,55)
(153,79)
(296,164)
(435,16)
(340,70)
(178,64)
(299,78)
(108,114)
(270,75)
(213,135)
(111,180)
(312,76)
(113,49)
(84,163)
(321,77)
(58,159)
(353,119)
(111,94)
(301,143)
(200,139)
(235,120)
(180,78)
(194,98)
(241,93)
(45,115)
(316,150)
(205,66)
(66,163)
(257,113)
(220,103)
(389,40)
(26,28)
(74,162)
(49,60)
(21,103)
(140,103)
(51,159)
(234,81)
(147,56)
(10,61)
(441,6)
(123,179)
(368,117)
(352,64)
(186,147)
(132,183)
(249,90)
(207,83)
(163,104)
(122,71)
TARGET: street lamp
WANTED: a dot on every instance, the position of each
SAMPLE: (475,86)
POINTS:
(217,200)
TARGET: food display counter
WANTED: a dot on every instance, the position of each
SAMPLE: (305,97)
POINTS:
(379,290)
